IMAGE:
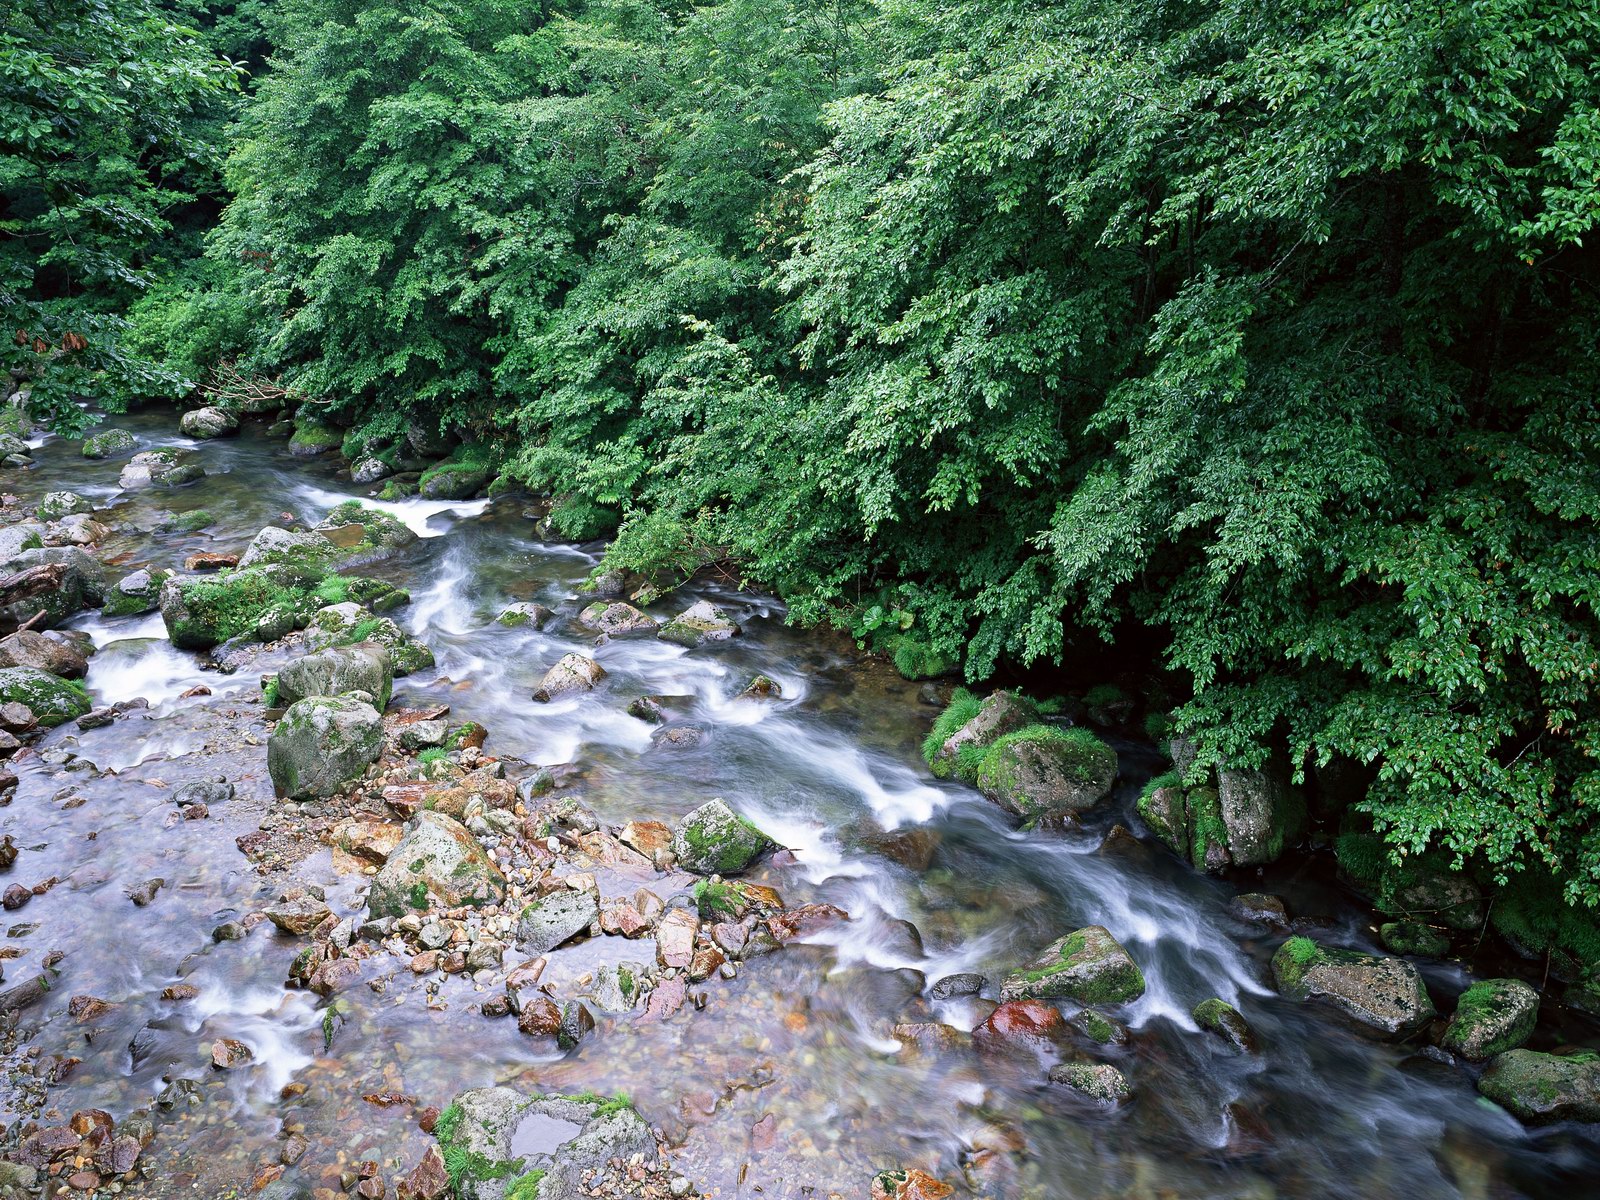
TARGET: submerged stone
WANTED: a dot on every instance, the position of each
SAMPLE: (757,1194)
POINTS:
(1226,1022)
(1099,1082)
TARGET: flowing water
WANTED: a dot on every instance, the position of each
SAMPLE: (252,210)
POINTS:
(789,1082)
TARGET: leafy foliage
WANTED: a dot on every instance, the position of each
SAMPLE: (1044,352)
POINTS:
(992,329)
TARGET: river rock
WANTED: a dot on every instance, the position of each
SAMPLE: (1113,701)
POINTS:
(51,699)
(555,920)
(313,436)
(714,840)
(1088,965)
(208,422)
(1385,995)
(437,855)
(108,442)
(1413,937)
(567,1140)
(701,622)
(675,935)
(1028,1026)
(524,613)
(209,792)
(1099,1082)
(966,983)
(1448,898)
(1492,1016)
(261,603)
(159,468)
(574,673)
(344,624)
(24,535)
(27,648)
(617,619)
(290,547)
(363,667)
(70,581)
(1047,771)
(1226,1022)
(1541,1088)
(322,744)
(56,505)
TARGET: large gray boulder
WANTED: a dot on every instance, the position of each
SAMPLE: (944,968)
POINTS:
(1492,1016)
(363,667)
(1088,965)
(504,1138)
(1384,995)
(1541,1088)
(574,673)
(437,857)
(715,840)
(136,592)
(322,744)
(617,618)
(208,422)
(1044,771)
(555,919)
(364,535)
(108,442)
(698,624)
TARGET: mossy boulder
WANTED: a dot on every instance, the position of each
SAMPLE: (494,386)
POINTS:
(499,1144)
(715,840)
(62,504)
(322,744)
(1188,820)
(1087,965)
(617,618)
(514,616)
(698,624)
(51,699)
(108,443)
(208,422)
(137,592)
(1491,1017)
(438,857)
(202,611)
(348,623)
(364,535)
(1044,771)
(455,479)
(302,548)
(313,437)
(1413,937)
(969,726)
(1418,889)
(1225,1022)
(363,667)
(1542,1088)
(1383,995)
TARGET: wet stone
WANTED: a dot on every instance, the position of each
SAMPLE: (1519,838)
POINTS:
(966,983)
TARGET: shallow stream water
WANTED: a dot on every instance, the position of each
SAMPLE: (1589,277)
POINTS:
(789,1082)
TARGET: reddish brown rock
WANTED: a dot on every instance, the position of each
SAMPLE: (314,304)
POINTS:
(666,999)
(428,1179)
(539,1017)
(87,1008)
(807,919)
(649,838)
(675,937)
(1020,1025)
(227,1053)
(371,841)
(931,1038)
(205,560)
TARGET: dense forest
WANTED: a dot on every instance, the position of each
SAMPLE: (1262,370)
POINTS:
(1265,335)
